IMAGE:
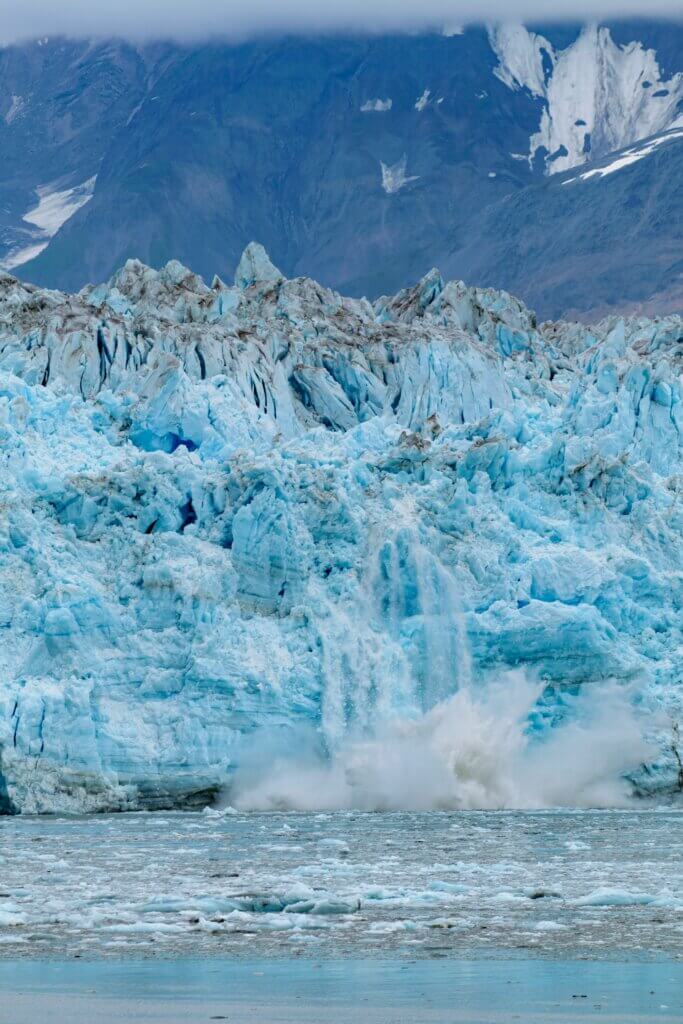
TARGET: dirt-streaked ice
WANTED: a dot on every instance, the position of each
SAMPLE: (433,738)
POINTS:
(241,523)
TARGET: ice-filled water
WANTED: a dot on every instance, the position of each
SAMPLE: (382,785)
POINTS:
(469,884)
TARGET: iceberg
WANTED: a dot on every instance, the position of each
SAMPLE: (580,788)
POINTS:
(240,520)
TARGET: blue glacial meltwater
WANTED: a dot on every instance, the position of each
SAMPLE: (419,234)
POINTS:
(305,991)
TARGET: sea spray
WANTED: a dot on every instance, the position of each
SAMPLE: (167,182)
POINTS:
(404,725)
(473,750)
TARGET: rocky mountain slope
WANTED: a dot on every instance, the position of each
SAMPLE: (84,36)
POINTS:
(447,147)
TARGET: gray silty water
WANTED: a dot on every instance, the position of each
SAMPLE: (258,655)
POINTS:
(302,991)
(471,884)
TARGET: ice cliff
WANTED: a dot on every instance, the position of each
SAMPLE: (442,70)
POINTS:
(227,511)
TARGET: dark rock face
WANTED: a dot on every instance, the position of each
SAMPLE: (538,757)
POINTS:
(363,160)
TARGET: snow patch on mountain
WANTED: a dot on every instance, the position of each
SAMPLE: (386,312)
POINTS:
(423,100)
(598,96)
(394,176)
(16,107)
(22,254)
(378,106)
(54,208)
(520,57)
(628,157)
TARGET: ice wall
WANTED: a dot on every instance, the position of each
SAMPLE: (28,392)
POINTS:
(235,511)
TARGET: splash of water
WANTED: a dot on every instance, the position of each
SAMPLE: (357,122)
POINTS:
(404,727)
(472,750)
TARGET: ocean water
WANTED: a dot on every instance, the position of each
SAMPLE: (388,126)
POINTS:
(421,886)
(352,991)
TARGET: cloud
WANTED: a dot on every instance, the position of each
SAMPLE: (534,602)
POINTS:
(198,19)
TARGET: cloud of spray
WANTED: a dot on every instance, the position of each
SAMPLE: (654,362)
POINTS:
(473,750)
(176,19)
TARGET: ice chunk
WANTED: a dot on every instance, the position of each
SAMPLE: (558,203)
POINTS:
(255,267)
(612,897)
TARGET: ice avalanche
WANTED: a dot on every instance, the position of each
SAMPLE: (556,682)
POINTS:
(264,541)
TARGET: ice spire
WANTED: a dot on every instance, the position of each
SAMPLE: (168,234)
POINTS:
(255,266)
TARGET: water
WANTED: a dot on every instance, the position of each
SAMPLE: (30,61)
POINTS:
(471,884)
(345,992)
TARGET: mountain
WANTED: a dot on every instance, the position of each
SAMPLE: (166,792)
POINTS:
(243,524)
(360,160)
(590,241)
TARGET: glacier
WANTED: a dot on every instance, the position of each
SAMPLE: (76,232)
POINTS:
(230,513)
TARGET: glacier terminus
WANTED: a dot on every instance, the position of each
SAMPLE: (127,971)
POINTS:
(424,551)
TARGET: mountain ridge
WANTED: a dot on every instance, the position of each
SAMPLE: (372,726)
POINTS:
(413,144)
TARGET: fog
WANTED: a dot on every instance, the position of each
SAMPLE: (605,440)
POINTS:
(177,19)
